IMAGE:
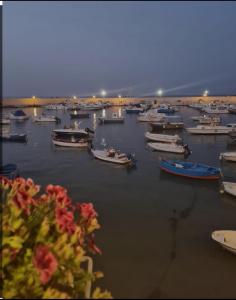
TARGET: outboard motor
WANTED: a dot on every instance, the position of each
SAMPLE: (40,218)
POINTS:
(187,150)
(132,158)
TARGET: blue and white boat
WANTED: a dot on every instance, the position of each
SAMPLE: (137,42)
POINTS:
(190,169)
(18,115)
(10,171)
(166,110)
(134,109)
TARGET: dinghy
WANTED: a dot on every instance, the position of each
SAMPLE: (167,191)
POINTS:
(165,138)
(44,118)
(72,142)
(113,119)
(229,187)
(18,115)
(13,137)
(190,170)
(113,156)
(212,129)
(226,238)
(173,148)
(10,171)
(229,156)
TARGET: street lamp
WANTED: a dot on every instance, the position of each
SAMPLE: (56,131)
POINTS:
(159,92)
(94,96)
(33,97)
(119,96)
(74,97)
(206,92)
(103,93)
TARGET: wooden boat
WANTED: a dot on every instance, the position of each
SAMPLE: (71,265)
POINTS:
(18,115)
(113,156)
(226,238)
(79,115)
(163,137)
(44,118)
(166,125)
(10,171)
(190,169)
(172,148)
(212,129)
(13,137)
(71,142)
(229,156)
(229,187)
(113,119)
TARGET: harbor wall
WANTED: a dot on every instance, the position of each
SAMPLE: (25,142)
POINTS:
(177,100)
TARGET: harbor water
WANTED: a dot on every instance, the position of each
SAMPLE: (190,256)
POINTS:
(156,228)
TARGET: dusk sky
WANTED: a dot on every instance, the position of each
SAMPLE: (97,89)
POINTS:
(130,48)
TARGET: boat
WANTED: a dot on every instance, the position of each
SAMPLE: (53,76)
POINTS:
(44,118)
(113,119)
(211,129)
(72,141)
(79,115)
(166,125)
(231,125)
(163,137)
(233,135)
(190,169)
(209,119)
(226,238)
(78,132)
(232,109)
(196,106)
(229,156)
(229,187)
(13,137)
(5,121)
(166,110)
(113,156)
(170,147)
(151,116)
(18,115)
(55,107)
(91,106)
(196,118)
(10,171)
(216,109)
(134,109)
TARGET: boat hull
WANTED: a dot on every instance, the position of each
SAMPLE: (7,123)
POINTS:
(166,126)
(226,239)
(111,121)
(167,148)
(228,157)
(162,138)
(99,155)
(69,144)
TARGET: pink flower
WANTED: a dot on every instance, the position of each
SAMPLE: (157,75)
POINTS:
(55,189)
(65,220)
(24,201)
(87,211)
(93,247)
(45,263)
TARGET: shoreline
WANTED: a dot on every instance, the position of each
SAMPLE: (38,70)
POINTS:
(174,100)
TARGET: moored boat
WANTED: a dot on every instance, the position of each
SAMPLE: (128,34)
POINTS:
(113,156)
(115,118)
(10,171)
(18,115)
(44,118)
(229,187)
(134,109)
(78,132)
(211,129)
(151,116)
(55,107)
(226,238)
(163,137)
(229,156)
(79,115)
(190,169)
(166,125)
(170,147)
(5,121)
(13,137)
(70,142)
(216,109)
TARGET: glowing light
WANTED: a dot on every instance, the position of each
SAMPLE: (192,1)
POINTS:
(159,92)
(94,96)
(103,113)
(119,96)
(33,97)
(103,93)
(35,112)
(94,121)
(119,112)
(74,97)
(206,92)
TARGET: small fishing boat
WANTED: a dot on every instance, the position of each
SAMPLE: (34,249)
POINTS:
(55,107)
(209,120)
(190,169)
(226,238)
(78,132)
(231,125)
(44,118)
(113,156)
(91,106)
(79,115)
(10,171)
(18,115)
(170,147)
(166,110)
(151,116)
(13,137)
(115,118)
(163,137)
(229,156)
(229,187)
(211,129)
(216,109)
(70,142)
(134,109)
(166,125)
(232,109)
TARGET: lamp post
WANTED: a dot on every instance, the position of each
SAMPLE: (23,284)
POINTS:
(103,93)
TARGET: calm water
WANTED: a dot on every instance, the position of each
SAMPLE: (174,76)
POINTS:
(156,227)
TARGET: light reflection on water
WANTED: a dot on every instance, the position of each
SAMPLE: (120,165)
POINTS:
(155,226)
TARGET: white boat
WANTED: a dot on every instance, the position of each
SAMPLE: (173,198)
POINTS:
(73,131)
(209,120)
(165,138)
(229,156)
(196,118)
(211,129)
(231,125)
(91,106)
(216,109)
(226,238)
(5,121)
(18,115)
(229,187)
(173,148)
(72,142)
(46,119)
(54,107)
(115,118)
(112,155)
(151,116)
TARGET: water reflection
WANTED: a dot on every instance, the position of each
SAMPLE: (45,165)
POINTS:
(94,121)
(35,112)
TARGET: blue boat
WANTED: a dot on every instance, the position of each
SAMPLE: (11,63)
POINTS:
(167,111)
(18,115)
(10,171)
(190,169)
(18,138)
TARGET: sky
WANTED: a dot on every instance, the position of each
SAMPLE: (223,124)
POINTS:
(66,48)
